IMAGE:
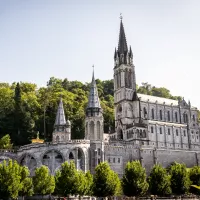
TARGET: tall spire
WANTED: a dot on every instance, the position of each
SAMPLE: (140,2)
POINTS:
(93,100)
(60,116)
(122,45)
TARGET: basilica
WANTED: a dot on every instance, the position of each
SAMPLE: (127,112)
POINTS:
(150,129)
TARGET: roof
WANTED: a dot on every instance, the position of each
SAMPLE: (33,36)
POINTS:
(158,100)
(60,116)
(93,100)
(122,45)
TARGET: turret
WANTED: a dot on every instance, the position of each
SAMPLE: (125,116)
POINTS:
(94,115)
(62,128)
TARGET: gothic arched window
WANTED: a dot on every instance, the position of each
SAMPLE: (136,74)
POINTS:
(92,129)
(176,132)
(160,130)
(129,80)
(176,116)
(168,115)
(160,114)
(152,113)
(144,113)
(98,130)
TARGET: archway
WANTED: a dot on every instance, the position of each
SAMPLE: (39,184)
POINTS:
(29,161)
(53,160)
(120,134)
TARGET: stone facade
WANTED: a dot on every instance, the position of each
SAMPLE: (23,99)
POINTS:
(147,128)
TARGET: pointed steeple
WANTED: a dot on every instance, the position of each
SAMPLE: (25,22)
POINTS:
(122,45)
(60,116)
(93,100)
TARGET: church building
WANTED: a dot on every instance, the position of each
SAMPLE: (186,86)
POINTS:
(147,128)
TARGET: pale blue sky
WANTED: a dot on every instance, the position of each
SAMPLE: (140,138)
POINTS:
(64,38)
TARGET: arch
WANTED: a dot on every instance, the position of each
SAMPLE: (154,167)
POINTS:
(71,156)
(145,113)
(92,129)
(57,139)
(29,161)
(129,110)
(52,159)
(120,134)
(81,160)
(98,130)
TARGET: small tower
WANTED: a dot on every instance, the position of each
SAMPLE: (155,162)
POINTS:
(62,128)
(94,126)
(94,115)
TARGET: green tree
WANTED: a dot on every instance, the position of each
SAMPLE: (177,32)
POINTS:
(180,181)
(134,181)
(43,182)
(68,180)
(26,181)
(5,142)
(10,179)
(159,181)
(194,174)
(106,181)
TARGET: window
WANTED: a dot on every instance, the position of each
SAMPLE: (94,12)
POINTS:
(193,117)
(113,160)
(109,160)
(185,118)
(168,131)
(160,130)
(160,114)
(184,133)
(151,129)
(145,112)
(152,113)
(98,130)
(176,132)
(197,137)
(176,116)
(168,115)
(118,160)
(99,152)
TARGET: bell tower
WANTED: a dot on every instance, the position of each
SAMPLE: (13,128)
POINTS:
(124,84)
(94,126)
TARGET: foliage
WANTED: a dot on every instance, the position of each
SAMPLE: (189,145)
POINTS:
(159,181)
(26,181)
(43,182)
(10,179)
(194,174)
(134,181)
(106,181)
(180,181)
(70,181)
(5,142)
(26,109)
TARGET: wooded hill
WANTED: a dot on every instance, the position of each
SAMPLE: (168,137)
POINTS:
(23,106)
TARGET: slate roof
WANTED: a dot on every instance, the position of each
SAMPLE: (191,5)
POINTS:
(93,99)
(60,116)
